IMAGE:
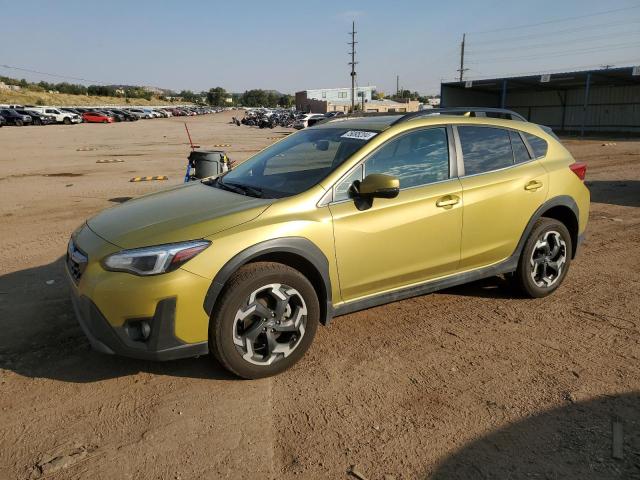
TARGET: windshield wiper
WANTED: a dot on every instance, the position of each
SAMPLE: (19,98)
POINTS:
(246,189)
(239,188)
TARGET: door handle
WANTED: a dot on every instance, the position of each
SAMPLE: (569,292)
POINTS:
(447,201)
(533,185)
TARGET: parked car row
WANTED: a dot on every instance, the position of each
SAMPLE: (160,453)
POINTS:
(19,115)
(280,117)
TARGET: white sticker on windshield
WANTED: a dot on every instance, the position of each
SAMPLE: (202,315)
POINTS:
(359,135)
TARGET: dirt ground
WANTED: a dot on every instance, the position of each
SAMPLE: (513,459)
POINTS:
(467,383)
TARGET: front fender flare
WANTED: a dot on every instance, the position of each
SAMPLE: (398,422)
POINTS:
(299,246)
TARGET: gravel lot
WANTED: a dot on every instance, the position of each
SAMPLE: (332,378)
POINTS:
(467,383)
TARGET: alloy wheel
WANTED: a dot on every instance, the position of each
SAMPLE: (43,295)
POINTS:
(270,324)
(547,259)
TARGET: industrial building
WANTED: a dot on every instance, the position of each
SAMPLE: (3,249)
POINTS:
(323,100)
(590,101)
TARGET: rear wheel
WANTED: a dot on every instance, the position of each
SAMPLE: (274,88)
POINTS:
(264,321)
(545,259)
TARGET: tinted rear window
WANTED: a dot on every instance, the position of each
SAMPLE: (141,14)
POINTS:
(485,149)
(538,145)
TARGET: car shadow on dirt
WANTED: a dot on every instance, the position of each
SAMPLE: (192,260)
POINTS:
(615,192)
(42,339)
(577,441)
(492,287)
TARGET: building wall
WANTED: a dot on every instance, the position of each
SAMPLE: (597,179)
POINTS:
(611,108)
(392,107)
(339,94)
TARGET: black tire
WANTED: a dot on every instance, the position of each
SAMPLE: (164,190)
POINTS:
(66,121)
(240,286)
(18,123)
(37,121)
(522,279)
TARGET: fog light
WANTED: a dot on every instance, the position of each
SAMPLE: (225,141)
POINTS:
(145,330)
(138,330)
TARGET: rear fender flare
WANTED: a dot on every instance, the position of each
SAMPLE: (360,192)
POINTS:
(559,201)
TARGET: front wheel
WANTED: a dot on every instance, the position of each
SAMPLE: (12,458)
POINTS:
(545,259)
(19,123)
(66,121)
(264,321)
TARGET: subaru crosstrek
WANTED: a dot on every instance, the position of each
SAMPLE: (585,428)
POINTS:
(339,217)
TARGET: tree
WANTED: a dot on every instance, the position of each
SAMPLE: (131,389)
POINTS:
(286,101)
(187,96)
(217,96)
(254,98)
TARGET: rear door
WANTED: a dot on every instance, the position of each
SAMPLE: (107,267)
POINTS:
(502,187)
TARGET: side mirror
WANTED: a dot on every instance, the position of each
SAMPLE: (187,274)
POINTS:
(378,185)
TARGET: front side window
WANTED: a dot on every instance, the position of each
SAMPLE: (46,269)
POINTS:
(485,149)
(417,158)
(342,188)
(295,164)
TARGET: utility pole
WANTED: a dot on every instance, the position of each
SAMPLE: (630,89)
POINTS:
(462,69)
(397,85)
(353,65)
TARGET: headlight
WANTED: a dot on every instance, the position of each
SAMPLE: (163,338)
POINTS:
(154,260)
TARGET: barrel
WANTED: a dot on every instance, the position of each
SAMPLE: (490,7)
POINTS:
(206,162)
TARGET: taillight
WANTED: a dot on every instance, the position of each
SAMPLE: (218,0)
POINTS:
(580,169)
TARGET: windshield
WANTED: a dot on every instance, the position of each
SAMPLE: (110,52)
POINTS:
(297,163)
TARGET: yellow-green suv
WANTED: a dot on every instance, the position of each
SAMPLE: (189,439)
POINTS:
(339,217)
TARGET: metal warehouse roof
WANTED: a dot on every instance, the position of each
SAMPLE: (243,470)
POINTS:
(555,81)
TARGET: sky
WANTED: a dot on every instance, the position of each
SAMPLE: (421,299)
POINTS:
(296,45)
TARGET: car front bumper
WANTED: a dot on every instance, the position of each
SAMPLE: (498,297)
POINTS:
(158,317)
(125,340)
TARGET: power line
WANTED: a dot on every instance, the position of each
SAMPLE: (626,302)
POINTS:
(562,32)
(552,44)
(557,20)
(50,74)
(560,54)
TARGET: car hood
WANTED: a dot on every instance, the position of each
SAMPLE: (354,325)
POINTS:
(186,212)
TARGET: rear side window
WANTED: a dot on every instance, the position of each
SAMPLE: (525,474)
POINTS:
(538,145)
(485,149)
(520,152)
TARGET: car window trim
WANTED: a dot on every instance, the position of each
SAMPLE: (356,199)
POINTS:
(461,156)
(453,163)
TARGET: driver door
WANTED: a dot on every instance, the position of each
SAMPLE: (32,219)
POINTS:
(406,240)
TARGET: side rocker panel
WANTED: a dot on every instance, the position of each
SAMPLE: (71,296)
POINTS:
(505,266)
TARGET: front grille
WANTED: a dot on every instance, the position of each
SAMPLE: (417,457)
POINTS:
(76,261)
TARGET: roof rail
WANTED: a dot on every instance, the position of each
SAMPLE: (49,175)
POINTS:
(467,111)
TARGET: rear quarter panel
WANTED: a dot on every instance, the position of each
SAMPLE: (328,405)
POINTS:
(562,181)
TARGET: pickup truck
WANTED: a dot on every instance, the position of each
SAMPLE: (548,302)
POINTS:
(61,116)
